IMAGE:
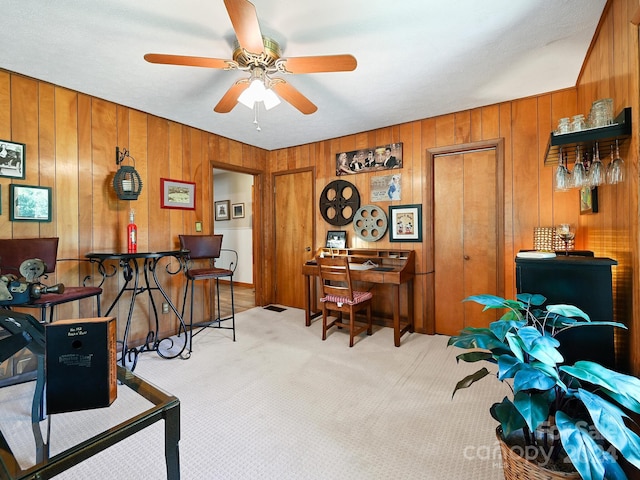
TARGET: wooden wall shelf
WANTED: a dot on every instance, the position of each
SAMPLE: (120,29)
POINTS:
(605,137)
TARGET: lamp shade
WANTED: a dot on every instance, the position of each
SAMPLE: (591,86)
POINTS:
(127,183)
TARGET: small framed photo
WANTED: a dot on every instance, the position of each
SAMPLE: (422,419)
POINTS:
(405,223)
(588,200)
(12,157)
(30,203)
(177,194)
(336,239)
(237,210)
(222,210)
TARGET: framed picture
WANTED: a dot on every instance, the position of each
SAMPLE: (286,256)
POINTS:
(12,157)
(383,157)
(177,194)
(222,210)
(588,200)
(405,223)
(336,239)
(237,210)
(29,203)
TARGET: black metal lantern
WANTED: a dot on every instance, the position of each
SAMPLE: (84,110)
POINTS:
(126,182)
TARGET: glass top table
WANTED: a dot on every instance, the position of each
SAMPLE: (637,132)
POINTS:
(154,405)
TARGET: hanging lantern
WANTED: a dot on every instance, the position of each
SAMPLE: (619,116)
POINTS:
(126,182)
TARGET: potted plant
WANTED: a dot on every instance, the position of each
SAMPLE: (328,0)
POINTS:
(571,414)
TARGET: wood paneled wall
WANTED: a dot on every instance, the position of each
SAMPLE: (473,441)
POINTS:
(71,140)
(611,70)
(70,145)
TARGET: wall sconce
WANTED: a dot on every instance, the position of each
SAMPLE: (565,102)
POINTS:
(126,182)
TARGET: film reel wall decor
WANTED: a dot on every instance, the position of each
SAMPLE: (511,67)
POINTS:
(339,202)
(370,223)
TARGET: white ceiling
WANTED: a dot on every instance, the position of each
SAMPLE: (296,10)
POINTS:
(416,58)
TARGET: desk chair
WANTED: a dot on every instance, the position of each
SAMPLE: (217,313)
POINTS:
(207,248)
(14,251)
(338,296)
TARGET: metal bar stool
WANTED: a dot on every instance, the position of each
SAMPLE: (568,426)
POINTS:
(209,248)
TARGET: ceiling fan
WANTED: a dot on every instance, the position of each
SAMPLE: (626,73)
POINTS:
(260,56)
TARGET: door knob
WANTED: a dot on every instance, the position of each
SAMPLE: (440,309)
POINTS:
(467,257)
(307,249)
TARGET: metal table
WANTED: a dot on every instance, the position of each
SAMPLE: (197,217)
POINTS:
(140,270)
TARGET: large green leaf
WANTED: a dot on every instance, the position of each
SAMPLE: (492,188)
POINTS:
(567,311)
(609,421)
(528,335)
(515,344)
(534,299)
(545,349)
(483,338)
(500,328)
(508,415)
(534,407)
(529,378)
(584,452)
(625,389)
(471,357)
(508,366)
(469,380)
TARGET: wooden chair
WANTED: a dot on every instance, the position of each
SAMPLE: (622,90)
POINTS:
(207,248)
(338,296)
(14,251)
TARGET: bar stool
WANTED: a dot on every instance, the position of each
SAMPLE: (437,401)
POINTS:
(201,248)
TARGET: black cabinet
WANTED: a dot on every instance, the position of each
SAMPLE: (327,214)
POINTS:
(581,281)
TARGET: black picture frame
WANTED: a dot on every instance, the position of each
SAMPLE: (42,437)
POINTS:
(30,203)
(237,210)
(12,159)
(405,223)
(336,239)
(222,210)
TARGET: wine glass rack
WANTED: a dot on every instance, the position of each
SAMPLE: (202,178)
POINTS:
(605,137)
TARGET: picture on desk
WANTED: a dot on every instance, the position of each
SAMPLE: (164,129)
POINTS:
(12,158)
(336,239)
(405,223)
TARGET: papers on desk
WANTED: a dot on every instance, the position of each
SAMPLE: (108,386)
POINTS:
(536,254)
(361,266)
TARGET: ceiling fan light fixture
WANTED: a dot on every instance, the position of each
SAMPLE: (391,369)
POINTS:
(257,91)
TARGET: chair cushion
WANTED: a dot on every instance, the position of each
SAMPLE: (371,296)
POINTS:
(69,295)
(211,272)
(358,297)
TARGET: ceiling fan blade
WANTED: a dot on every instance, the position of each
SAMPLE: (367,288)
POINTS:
(245,23)
(187,61)
(293,96)
(327,63)
(230,98)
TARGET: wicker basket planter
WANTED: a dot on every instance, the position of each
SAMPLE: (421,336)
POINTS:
(516,467)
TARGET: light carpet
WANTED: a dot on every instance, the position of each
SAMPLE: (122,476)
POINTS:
(279,403)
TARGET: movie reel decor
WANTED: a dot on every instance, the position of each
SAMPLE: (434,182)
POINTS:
(339,202)
(370,223)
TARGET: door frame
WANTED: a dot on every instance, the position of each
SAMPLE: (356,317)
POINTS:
(429,257)
(257,220)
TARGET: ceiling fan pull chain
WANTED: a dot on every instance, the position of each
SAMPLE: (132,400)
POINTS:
(255,116)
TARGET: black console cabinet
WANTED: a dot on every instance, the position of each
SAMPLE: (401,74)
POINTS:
(581,281)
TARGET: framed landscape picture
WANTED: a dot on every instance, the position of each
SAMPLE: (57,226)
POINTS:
(30,203)
(178,194)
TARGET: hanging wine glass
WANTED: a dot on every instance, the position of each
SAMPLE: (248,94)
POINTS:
(562,180)
(617,167)
(597,170)
(567,233)
(579,173)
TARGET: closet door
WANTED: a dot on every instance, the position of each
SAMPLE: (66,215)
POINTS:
(466,236)
(293,200)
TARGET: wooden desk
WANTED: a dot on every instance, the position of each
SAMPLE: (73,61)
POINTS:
(394,268)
